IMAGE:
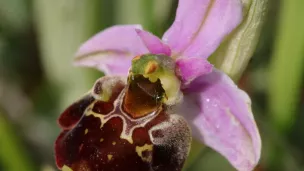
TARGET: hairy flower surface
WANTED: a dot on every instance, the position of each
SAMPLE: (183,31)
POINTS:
(136,118)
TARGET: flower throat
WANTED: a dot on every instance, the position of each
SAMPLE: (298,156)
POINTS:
(142,97)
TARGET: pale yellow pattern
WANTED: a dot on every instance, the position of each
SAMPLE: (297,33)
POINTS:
(110,157)
(66,168)
(139,150)
(128,127)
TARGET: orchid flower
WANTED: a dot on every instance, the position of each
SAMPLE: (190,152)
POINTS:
(157,94)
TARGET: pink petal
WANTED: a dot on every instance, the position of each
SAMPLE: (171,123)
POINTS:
(189,69)
(201,25)
(108,62)
(221,117)
(111,50)
(153,43)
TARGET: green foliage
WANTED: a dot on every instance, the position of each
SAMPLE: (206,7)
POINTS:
(287,65)
(13,155)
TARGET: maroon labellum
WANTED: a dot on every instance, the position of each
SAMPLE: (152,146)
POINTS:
(121,126)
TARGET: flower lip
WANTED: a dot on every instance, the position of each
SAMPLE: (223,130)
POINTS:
(104,137)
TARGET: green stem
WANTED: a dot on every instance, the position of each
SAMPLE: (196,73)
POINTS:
(12,153)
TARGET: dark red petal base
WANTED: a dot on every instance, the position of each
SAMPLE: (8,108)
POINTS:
(72,114)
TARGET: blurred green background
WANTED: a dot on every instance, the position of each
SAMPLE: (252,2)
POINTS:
(38,39)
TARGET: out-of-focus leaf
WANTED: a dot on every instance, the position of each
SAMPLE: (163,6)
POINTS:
(151,14)
(14,14)
(147,12)
(62,27)
(129,13)
(209,160)
(196,149)
(287,64)
(12,152)
(137,12)
(278,153)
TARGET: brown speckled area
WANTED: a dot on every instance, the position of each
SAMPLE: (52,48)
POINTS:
(100,136)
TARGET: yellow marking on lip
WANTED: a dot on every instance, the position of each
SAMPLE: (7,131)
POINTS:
(140,149)
(86,131)
(110,157)
(66,168)
(113,143)
(151,67)
(104,118)
(126,137)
